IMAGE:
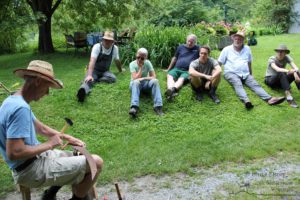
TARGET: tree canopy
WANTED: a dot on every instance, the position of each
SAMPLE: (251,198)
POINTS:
(66,16)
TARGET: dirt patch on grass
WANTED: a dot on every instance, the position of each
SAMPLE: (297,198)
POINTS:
(272,178)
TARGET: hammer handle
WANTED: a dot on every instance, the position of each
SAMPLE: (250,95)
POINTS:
(64,146)
(64,128)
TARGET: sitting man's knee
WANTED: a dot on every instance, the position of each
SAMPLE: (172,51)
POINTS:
(135,82)
(282,74)
(218,77)
(155,81)
(169,76)
(195,80)
(99,161)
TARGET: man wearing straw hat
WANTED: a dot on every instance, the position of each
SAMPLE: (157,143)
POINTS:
(277,76)
(36,164)
(237,61)
(98,70)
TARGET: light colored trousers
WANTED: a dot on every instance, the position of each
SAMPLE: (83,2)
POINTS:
(237,83)
(137,86)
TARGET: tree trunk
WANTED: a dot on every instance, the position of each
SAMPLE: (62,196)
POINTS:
(44,23)
(45,38)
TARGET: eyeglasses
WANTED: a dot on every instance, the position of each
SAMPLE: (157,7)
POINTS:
(139,57)
(203,53)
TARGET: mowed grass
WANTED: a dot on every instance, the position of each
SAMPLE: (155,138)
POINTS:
(191,134)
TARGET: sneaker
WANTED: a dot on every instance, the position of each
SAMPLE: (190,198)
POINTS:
(133,111)
(248,105)
(292,103)
(81,95)
(199,96)
(276,100)
(158,110)
(215,98)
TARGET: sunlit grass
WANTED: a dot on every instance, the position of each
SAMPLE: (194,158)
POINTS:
(191,134)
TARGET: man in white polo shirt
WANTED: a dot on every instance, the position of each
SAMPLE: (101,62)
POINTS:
(98,70)
(237,59)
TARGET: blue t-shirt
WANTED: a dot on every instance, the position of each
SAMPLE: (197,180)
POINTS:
(184,56)
(16,121)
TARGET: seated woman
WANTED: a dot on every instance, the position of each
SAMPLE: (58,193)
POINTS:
(279,77)
(143,79)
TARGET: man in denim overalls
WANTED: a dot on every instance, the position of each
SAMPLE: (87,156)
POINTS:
(98,71)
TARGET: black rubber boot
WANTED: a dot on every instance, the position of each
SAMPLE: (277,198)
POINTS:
(198,93)
(50,193)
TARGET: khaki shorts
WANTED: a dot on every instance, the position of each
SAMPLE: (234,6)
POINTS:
(53,167)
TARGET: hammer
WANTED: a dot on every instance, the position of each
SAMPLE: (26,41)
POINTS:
(68,122)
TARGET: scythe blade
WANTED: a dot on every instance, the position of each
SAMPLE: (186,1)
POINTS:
(89,158)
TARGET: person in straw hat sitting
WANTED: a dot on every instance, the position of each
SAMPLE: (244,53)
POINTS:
(277,76)
(100,61)
(36,164)
(237,61)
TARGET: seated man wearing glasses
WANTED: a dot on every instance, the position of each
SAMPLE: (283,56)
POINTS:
(178,69)
(277,76)
(143,79)
(205,74)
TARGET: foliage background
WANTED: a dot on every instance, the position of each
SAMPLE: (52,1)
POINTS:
(18,24)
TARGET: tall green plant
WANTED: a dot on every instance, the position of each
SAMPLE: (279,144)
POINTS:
(161,42)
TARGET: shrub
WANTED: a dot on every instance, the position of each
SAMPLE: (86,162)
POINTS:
(161,43)
(58,40)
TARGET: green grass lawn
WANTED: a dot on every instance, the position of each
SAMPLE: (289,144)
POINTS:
(191,134)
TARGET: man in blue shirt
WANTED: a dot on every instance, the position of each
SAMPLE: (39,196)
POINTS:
(237,60)
(178,69)
(36,164)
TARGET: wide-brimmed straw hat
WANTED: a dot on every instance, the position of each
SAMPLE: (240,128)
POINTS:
(41,69)
(239,33)
(282,47)
(108,35)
